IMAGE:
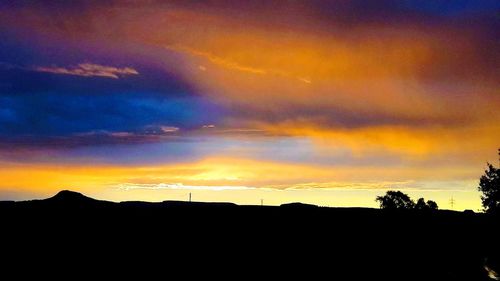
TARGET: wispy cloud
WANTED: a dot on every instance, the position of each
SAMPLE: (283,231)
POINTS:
(168,129)
(408,185)
(159,186)
(346,185)
(220,61)
(89,70)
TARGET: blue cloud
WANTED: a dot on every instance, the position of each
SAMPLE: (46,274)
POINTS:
(58,114)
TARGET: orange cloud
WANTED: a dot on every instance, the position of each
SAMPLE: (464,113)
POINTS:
(381,76)
(472,144)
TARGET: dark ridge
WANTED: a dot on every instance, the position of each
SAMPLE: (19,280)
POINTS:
(137,204)
(175,203)
(7,203)
(298,205)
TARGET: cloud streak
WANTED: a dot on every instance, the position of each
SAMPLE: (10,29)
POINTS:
(178,186)
(217,60)
(89,70)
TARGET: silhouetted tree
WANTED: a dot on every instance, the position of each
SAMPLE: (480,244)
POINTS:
(429,205)
(421,205)
(489,185)
(432,205)
(395,200)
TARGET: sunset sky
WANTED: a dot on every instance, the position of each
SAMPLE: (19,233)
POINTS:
(323,102)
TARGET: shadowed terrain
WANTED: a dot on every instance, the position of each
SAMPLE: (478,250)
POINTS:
(215,239)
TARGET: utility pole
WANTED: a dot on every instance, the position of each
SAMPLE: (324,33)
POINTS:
(189,196)
(452,202)
(261,202)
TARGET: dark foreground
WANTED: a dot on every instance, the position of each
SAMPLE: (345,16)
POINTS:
(221,240)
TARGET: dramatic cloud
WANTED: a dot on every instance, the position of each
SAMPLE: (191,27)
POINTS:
(89,69)
(398,91)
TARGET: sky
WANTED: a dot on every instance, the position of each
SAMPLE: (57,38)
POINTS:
(324,102)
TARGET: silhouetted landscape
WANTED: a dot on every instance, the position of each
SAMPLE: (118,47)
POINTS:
(256,241)
(392,105)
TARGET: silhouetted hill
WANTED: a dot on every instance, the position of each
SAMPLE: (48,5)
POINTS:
(70,197)
(67,199)
(218,238)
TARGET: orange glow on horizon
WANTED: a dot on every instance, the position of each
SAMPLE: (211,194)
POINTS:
(230,176)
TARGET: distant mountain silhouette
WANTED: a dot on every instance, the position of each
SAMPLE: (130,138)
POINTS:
(69,199)
(70,196)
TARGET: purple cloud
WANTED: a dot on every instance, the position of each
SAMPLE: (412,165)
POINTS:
(89,70)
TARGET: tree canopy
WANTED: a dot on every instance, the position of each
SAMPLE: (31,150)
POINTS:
(429,205)
(421,205)
(432,205)
(397,200)
(489,185)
